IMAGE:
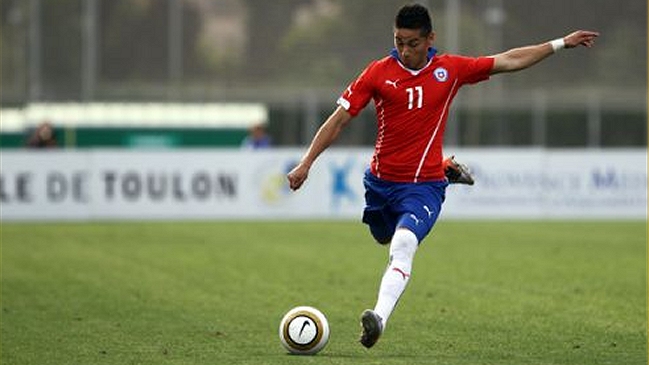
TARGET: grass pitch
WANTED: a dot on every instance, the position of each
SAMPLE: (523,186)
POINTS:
(214,293)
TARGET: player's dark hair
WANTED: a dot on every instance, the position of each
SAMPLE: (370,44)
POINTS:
(414,16)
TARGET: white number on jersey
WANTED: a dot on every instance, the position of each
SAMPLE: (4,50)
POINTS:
(411,96)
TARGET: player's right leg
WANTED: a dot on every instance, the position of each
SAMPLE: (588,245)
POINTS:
(381,227)
(457,173)
(377,214)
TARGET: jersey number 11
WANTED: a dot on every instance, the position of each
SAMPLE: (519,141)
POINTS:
(419,91)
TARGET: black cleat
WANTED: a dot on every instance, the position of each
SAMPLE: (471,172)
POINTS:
(372,328)
(457,173)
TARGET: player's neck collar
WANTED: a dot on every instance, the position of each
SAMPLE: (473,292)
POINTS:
(431,53)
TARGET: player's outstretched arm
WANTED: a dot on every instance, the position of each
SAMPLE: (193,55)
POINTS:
(325,136)
(521,58)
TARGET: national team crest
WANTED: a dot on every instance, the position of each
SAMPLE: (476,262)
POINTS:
(441,74)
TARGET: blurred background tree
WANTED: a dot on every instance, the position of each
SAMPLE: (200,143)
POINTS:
(251,43)
(297,55)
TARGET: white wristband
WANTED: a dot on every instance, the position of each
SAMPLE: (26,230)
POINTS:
(557,44)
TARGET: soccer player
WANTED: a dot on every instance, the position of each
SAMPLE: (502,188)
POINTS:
(412,89)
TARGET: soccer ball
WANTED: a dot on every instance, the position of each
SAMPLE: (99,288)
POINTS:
(304,330)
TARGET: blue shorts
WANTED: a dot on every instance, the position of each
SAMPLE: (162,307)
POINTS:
(390,205)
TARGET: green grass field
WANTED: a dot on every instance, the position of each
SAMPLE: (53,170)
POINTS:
(214,293)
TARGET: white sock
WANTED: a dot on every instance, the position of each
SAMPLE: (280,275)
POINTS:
(402,252)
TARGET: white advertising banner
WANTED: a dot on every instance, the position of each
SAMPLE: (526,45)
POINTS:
(537,183)
(232,184)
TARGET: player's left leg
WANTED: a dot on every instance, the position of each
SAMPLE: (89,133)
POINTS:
(395,279)
(420,206)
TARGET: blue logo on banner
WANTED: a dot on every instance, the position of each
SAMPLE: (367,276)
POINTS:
(340,188)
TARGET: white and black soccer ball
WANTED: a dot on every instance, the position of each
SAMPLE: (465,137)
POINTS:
(304,330)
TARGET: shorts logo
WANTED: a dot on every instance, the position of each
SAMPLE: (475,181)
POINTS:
(428,211)
(440,74)
(414,217)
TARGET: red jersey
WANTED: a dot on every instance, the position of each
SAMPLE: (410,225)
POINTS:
(411,110)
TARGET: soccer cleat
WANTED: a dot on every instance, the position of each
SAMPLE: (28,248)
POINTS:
(457,173)
(372,328)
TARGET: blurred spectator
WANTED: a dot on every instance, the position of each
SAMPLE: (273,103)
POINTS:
(257,138)
(42,137)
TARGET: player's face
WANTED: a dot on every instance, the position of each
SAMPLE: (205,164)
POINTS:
(412,47)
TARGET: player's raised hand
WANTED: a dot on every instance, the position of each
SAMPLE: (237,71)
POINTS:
(585,38)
